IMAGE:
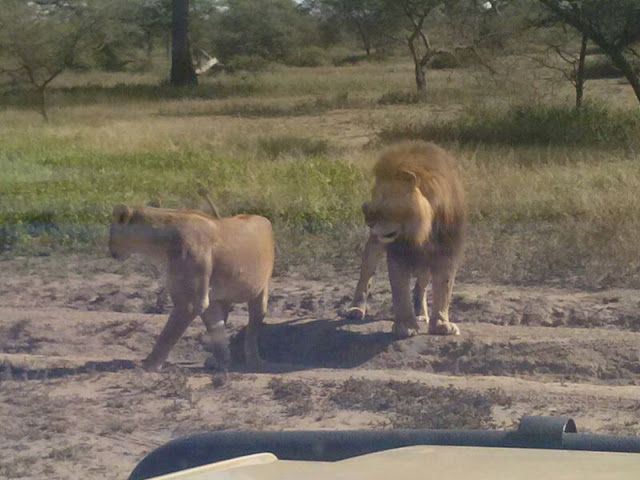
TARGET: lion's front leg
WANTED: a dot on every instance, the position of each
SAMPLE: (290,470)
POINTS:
(420,296)
(373,252)
(405,322)
(443,278)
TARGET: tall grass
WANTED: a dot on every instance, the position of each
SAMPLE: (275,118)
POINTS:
(529,125)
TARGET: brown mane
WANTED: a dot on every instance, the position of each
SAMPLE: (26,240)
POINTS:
(435,170)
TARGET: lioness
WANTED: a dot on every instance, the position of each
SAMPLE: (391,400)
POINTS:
(416,215)
(212,263)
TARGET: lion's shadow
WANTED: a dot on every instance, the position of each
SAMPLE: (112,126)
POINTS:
(318,343)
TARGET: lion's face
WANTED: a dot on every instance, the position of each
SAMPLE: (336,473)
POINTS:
(398,209)
(119,243)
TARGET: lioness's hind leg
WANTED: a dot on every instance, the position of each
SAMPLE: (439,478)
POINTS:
(373,252)
(442,280)
(215,318)
(257,312)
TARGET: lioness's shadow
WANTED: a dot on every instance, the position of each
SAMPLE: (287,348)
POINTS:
(312,344)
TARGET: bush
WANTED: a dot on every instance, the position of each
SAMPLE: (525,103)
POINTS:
(530,125)
(249,63)
(307,57)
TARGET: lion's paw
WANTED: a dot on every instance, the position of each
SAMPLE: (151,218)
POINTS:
(444,328)
(403,330)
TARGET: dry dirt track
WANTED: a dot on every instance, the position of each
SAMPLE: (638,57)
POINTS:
(75,404)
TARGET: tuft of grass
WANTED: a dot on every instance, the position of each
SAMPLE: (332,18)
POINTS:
(294,394)
(274,147)
(416,406)
(402,97)
(529,125)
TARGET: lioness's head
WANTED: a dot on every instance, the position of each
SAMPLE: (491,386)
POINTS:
(119,242)
(398,209)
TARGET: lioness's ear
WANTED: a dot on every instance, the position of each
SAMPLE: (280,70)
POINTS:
(121,213)
(408,177)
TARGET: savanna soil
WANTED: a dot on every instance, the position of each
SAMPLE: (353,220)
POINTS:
(75,403)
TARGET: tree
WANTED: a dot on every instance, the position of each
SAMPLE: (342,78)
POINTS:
(40,40)
(563,45)
(461,19)
(271,29)
(370,20)
(613,25)
(182,70)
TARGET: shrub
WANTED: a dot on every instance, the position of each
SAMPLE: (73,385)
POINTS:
(529,125)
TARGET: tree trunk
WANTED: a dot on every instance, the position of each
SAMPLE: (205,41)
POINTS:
(364,36)
(612,51)
(580,72)
(42,97)
(182,70)
(627,69)
(421,79)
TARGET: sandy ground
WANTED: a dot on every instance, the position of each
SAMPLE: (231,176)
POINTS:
(76,405)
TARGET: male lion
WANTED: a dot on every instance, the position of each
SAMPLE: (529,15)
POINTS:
(416,215)
(212,263)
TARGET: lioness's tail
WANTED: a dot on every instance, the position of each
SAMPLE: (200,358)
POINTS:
(204,193)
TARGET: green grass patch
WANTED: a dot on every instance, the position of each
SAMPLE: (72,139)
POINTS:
(67,196)
(529,125)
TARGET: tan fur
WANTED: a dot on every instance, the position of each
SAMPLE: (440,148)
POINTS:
(416,216)
(212,263)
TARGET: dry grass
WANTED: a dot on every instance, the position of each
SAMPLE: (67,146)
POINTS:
(418,406)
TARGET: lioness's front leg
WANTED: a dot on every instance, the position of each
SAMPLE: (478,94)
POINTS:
(443,277)
(189,290)
(373,252)
(179,320)
(404,317)
(215,318)
(257,312)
